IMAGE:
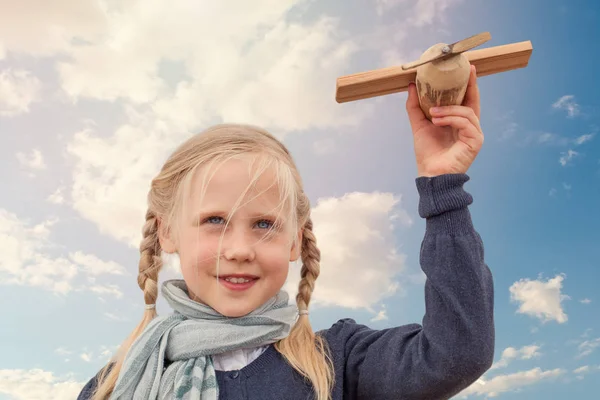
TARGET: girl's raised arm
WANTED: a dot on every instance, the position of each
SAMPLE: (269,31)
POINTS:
(455,343)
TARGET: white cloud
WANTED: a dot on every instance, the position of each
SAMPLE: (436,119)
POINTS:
(101,353)
(546,137)
(507,125)
(510,353)
(62,351)
(25,260)
(37,384)
(586,333)
(585,301)
(540,299)
(381,315)
(115,317)
(94,266)
(106,290)
(356,237)
(34,160)
(566,187)
(262,69)
(18,90)
(28,259)
(57,196)
(567,156)
(510,382)
(549,138)
(509,131)
(584,138)
(568,104)
(112,176)
(60,23)
(587,347)
(582,370)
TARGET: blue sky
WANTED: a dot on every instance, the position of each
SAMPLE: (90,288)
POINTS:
(95,94)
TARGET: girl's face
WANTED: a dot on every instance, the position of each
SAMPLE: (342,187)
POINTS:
(253,267)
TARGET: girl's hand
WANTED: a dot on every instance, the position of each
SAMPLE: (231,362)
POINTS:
(450,142)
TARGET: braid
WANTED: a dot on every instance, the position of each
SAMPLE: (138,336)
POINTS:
(150,259)
(150,264)
(311,257)
(306,352)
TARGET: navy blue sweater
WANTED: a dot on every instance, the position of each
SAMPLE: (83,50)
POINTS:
(452,347)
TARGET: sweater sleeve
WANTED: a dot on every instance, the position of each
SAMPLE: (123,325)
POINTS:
(454,345)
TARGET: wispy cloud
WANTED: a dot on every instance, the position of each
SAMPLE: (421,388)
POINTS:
(582,370)
(507,125)
(64,352)
(584,138)
(568,104)
(94,266)
(585,301)
(540,299)
(510,382)
(381,315)
(29,259)
(567,157)
(509,130)
(57,196)
(18,90)
(115,317)
(511,353)
(586,333)
(100,354)
(109,289)
(33,160)
(566,188)
(549,138)
(587,347)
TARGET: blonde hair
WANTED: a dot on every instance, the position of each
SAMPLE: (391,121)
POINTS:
(306,352)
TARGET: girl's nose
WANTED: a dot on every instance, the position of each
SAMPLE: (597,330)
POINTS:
(238,247)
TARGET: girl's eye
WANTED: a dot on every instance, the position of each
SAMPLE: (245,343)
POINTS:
(264,224)
(214,220)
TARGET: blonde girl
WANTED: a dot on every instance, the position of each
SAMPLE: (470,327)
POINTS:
(231,204)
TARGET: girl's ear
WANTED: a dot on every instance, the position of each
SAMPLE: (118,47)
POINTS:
(296,250)
(167,244)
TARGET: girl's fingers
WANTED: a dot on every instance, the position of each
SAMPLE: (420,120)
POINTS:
(462,124)
(472,94)
(415,115)
(458,111)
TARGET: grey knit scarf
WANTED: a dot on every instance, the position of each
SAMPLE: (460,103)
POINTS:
(187,338)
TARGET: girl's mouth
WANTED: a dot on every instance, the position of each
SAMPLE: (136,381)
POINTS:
(239,282)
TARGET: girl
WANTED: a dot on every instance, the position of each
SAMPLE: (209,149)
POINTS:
(230,203)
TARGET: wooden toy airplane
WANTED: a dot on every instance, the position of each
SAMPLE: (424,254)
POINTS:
(441,73)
